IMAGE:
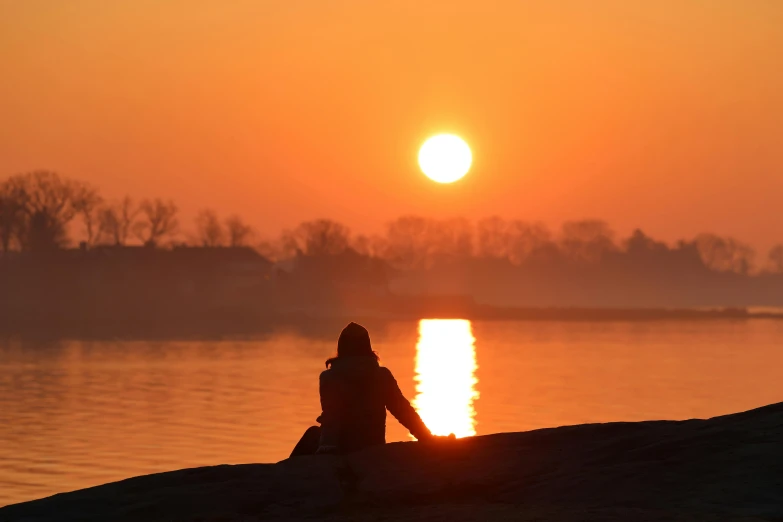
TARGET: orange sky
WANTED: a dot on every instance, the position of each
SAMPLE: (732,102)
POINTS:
(666,115)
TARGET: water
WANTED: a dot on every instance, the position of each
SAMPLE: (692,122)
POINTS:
(446,376)
(78,413)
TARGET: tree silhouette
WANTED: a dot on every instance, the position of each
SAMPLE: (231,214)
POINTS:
(48,204)
(526,239)
(88,204)
(117,221)
(209,231)
(36,209)
(316,238)
(11,215)
(370,246)
(492,238)
(776,258)
(452,238)
(408,242)
(158,220)
(239,232)
(642,244)
(725,254)
(515,240)
(44,234)
(587,240)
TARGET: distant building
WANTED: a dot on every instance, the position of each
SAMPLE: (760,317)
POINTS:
(113,280)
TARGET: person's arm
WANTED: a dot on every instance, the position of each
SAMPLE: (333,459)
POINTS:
(330,416)
(402,410)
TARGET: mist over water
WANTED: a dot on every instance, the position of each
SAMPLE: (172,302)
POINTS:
(75,414)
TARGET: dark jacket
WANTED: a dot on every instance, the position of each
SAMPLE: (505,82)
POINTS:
(355,394)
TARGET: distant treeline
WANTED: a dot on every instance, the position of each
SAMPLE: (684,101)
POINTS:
(38,211)
(72,261)
(42,211)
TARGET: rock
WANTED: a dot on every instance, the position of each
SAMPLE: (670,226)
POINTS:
(728,467)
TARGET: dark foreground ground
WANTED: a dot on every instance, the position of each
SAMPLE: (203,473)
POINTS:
(726,468)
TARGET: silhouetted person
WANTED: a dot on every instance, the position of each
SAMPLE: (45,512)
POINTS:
(356,391)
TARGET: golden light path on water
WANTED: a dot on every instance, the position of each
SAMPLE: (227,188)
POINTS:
(446,376)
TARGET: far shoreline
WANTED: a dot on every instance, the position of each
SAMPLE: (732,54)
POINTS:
(238,323)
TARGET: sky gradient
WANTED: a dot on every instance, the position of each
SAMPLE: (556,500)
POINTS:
(665,115)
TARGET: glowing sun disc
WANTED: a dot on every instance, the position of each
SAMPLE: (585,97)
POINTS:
(445,158)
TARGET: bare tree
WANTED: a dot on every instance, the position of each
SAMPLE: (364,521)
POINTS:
(408,243)
(209,231)
(528,239)
(493,238)
(451,238)
(116,222)
(776,258)
(48,205)
(587,240)
(11,215)
(239,232)
(315,238)
(89,205)
(725,254)
(413,242)
(371,246)
(159,219)
(109,225)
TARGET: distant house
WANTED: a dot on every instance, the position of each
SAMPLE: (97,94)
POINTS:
(128,276)
(226,274)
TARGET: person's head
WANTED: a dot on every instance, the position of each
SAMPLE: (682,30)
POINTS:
(354,341)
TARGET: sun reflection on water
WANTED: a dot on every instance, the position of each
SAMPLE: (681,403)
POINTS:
(446,376)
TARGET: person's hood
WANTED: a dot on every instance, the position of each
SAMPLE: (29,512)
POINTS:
(354,340)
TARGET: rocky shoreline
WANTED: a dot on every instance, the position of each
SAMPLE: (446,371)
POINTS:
(725,468)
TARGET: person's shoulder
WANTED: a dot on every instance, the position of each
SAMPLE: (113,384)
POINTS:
(326,374)
(385,372)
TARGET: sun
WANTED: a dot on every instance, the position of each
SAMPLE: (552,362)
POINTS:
(445,158)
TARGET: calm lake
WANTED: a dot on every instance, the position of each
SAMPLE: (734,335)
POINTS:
(80,413)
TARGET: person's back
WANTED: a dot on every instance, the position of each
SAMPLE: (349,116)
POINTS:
(355,393)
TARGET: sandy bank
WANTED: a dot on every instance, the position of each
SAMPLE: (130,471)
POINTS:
(725,468)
